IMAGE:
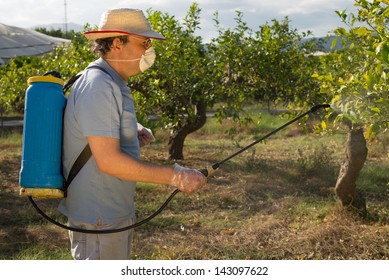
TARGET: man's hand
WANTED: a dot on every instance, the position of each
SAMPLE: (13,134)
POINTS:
(188,180)
(145,136)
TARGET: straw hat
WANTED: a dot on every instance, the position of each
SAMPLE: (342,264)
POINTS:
(121,22)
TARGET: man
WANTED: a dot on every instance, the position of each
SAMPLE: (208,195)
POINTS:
(100,112)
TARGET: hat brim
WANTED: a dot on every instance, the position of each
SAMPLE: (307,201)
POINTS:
(100,34)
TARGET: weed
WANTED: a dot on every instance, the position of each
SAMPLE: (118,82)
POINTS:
(315,161)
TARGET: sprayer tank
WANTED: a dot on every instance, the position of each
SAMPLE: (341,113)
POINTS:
(42,138)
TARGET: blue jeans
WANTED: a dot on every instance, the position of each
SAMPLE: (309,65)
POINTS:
(111,246)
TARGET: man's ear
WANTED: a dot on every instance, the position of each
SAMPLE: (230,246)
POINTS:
(117,44)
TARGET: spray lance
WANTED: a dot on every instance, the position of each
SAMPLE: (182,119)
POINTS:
(208,171)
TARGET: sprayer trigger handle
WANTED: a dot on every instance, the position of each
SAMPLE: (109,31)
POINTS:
(207,171)
(317,107)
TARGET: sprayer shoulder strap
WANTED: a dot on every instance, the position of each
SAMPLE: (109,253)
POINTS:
(75,77)
(82,159)
(86,153)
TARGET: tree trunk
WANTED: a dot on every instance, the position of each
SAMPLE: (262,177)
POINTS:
(177,138)
(176,144)
(356,154)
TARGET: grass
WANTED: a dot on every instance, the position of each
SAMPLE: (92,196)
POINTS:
(274,201)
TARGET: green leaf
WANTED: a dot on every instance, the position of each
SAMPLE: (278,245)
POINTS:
(362,31)
(333,44)
(385,53)
(323,125)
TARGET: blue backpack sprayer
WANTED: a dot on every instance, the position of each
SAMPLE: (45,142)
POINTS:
(41,174)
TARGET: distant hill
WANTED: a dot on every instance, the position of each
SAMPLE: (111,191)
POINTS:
(326,43)
(55,26)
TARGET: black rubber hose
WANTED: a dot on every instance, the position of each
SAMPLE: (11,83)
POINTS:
(107,230)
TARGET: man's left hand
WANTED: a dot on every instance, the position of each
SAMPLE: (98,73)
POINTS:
(145,136)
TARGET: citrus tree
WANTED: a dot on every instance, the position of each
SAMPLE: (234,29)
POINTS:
(356,80)
(282,62)
(234,69)
(13,81)
(177,88)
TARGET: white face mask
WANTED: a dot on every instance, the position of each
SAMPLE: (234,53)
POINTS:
(145,62)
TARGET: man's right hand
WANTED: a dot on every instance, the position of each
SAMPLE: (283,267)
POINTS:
(188,180)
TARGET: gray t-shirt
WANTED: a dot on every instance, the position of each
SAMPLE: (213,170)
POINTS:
(98,105)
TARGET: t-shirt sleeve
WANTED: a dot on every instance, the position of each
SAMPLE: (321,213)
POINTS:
(97,108)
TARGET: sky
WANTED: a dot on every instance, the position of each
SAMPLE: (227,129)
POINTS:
(317,16)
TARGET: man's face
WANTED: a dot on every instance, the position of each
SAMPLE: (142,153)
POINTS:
(134,49)
(125,57)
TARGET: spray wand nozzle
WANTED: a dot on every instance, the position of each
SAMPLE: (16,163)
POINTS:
(211,169)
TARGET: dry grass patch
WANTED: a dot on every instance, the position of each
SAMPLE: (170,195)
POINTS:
(274,201)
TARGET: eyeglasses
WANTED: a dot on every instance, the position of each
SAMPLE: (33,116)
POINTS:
(148,43)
